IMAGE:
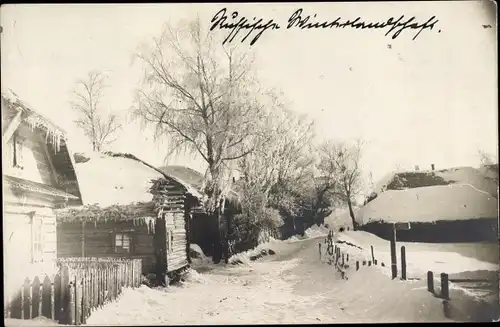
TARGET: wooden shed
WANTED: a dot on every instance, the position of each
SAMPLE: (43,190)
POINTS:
(131,210)
(204,229)
(38,177)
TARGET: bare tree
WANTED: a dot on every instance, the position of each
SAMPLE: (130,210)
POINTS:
(342,160)
(97,126)
(205,101)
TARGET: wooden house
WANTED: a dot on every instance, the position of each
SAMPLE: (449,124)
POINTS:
(443,206)
(130,210)
(38,177)
(204,229)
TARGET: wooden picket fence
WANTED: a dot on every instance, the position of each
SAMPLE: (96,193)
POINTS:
(81,286)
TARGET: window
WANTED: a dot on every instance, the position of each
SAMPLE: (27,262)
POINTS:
(122,243)
(170,240)
(37,239)
(17,152)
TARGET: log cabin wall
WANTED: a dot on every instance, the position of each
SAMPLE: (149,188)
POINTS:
(170,199)
(119,239)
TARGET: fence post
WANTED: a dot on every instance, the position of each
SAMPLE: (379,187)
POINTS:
(347,257)
(64,295)
(77,301)
(445,286)
(373,256)
(52,302)
(357,265)
(22,302)
(364,262)
(369,263)
(394,267)
(71,309)
(319,247)
(403,263)
(430,281)
(84,297)
(40,300)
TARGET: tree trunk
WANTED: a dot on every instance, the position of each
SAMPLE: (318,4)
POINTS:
(217,254)
(351,213)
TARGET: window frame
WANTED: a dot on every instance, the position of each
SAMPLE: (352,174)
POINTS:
(37,239)
(119,248)
(17,152)
(170,240)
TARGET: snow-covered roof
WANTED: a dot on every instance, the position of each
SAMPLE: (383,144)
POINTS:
(113,180)
(424,178)
(34,118)
(458,201)
(107,181)
(55,138)
(195,179)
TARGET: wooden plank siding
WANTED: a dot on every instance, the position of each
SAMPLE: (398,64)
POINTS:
(163,249)
(176,254)
(17,227)
(98,240)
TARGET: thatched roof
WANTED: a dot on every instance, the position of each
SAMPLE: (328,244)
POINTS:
(430,204)
(117,186)
(55,138)
(460,193)
(425,178)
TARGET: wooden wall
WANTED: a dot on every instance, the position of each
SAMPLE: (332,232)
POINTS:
(98,241)
(163,249)
(472,230)
(17,226)
(176,248)
(171,200)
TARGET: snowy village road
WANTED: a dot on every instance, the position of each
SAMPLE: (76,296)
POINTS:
(292,286)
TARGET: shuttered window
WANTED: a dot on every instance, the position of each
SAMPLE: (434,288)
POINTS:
(37,239)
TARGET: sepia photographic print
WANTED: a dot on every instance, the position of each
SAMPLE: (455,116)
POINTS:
(249,163)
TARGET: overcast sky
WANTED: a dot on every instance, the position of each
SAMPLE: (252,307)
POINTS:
(416,102)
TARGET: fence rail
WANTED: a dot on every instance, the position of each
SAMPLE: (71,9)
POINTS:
(80,286)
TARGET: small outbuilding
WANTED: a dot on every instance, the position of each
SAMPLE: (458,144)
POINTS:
(130,210)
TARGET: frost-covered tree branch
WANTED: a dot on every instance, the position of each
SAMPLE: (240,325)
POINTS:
(341,161)
(203,98)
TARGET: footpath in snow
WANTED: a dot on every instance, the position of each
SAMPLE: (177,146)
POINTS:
(292,286)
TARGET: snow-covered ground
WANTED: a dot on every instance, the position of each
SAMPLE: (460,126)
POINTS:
(291,286)
(36,322)
(478,260)
(420,257)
